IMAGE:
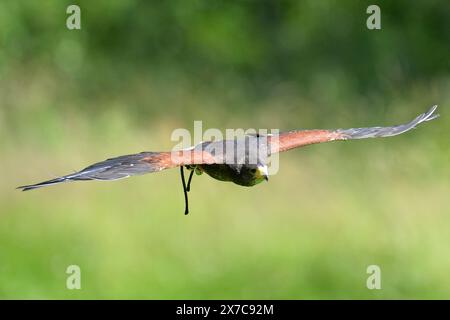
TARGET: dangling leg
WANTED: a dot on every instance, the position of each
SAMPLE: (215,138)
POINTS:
(186,202)
(189,181)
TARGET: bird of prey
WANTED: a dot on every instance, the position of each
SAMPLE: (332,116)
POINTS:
(242,161)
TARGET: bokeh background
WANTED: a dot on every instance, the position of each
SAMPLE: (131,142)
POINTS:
(139,69)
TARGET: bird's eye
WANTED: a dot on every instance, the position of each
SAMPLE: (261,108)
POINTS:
(253,170)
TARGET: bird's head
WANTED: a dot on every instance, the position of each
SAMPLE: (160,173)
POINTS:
(245,175)
(262,172)
(250,175)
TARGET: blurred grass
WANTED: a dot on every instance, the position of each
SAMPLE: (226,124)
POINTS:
(69,99)
(310,232)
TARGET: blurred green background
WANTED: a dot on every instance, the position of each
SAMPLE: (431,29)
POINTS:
(138,70)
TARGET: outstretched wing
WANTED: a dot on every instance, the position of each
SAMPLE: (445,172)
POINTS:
(299,138)
(131,165)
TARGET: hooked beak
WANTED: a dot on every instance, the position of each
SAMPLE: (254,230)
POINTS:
(263,172)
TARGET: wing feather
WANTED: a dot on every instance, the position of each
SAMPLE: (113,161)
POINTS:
(130,165)
(299,138)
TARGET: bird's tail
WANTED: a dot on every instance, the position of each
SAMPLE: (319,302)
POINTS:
(378,132)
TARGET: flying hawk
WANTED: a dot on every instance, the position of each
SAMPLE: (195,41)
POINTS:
(242,161)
